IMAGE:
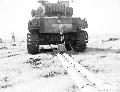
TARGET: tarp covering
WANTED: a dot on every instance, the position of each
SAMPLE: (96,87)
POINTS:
(58,8)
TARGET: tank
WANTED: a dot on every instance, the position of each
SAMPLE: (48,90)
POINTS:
(52,23)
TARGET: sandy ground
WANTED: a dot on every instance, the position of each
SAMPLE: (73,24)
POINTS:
(22,72)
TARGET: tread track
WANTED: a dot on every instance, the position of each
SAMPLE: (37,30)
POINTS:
(33,43)
(82,77)
(82,39)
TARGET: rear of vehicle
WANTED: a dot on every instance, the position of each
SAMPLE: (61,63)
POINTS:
(57,27)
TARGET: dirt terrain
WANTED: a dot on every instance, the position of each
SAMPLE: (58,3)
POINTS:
(22,72)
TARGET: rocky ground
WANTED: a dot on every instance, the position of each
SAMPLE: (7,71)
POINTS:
(22,72)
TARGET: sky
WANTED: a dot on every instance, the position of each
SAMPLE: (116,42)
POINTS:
(103,16)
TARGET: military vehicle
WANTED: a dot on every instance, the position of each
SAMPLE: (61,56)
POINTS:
(53,23)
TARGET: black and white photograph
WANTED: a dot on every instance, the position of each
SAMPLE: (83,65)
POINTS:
(59,45)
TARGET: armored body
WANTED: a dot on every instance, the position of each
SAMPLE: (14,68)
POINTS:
(53,23)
